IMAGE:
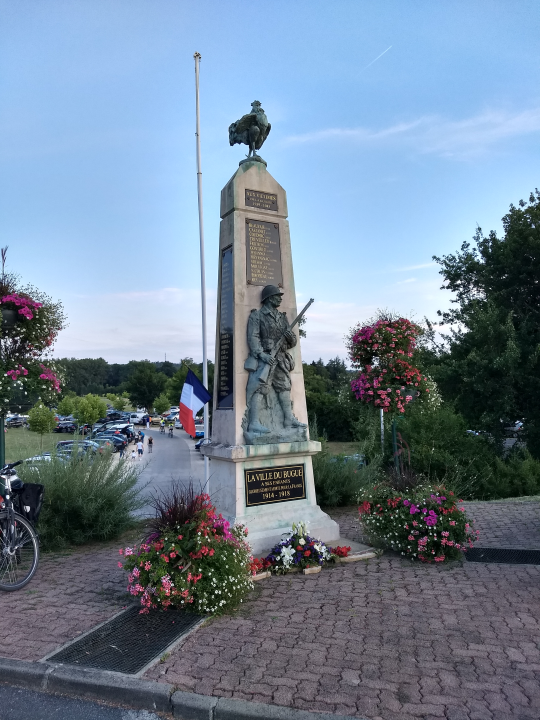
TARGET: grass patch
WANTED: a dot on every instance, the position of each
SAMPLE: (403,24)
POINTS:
(342,448)
(22,443)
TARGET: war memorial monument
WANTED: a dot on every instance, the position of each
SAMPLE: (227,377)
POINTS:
(261,471)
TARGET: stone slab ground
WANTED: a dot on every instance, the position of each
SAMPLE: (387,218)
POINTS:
(385,639)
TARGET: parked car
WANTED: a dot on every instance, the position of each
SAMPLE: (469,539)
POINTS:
(156,419)
(199,443)
(65,426)
(106,443)
(171,416)
(142,420)
(199,432)
(117,440)
(16,421)
(178,425)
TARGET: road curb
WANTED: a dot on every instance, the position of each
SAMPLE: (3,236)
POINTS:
(143,694)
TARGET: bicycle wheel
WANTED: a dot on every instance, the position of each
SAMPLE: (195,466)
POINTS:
(19,555)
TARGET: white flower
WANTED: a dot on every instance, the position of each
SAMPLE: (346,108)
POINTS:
(287,554)
(302,541)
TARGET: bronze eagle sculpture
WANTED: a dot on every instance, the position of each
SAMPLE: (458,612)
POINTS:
(251,130)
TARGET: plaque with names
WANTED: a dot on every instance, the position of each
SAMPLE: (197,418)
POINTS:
(274,485)
(263,252)
(261,200)
(226,336)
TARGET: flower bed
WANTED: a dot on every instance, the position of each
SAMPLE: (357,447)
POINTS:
(426,522)
(195,560)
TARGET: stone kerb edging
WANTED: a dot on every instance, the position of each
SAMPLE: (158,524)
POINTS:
(143,694)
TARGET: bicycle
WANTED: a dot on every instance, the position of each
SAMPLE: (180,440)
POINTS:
(162,429)
(171,432)
(19,545)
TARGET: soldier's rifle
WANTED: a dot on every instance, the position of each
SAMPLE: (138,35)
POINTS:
(265,372)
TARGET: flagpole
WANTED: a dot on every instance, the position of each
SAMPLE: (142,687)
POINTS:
(197,58)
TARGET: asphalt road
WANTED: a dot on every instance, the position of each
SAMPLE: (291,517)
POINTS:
(20,704)
(172,459)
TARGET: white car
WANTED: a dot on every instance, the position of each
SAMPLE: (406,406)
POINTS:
(178,425)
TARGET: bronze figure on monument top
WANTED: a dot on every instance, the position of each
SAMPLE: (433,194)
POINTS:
(269,414)
(251,130)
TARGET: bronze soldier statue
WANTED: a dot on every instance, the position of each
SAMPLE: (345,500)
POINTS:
(269,365)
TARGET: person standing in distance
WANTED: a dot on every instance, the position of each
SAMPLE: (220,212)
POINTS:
(140,449)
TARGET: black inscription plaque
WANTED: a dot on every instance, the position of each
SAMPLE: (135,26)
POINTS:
(263,253)
(261,200)
(274,485)
(226,325)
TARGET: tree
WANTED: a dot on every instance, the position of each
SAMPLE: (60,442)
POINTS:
(65,406)
(167,368)
(118,402)
(490,365)
(41,420)
(145,385)
(86,375)
(89,409)
(161,404)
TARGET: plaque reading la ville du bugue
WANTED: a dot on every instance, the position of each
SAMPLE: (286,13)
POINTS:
(263,253)
(261,200)
(274,485)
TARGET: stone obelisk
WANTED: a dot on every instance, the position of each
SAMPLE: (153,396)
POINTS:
(261,472)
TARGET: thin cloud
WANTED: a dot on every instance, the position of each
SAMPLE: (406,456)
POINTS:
(409,280)
(415,267)
(436,135)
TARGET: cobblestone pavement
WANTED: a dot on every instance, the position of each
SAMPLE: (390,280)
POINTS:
(69,594)
(384,639)
(506,524)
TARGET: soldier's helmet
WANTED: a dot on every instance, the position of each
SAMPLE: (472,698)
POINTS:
(270,290)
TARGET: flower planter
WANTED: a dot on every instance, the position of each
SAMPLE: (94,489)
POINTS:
(312,570)
(366,555)
(261,576)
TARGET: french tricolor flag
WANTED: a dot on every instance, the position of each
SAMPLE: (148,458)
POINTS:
(194,397)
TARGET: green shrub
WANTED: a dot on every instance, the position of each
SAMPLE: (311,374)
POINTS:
(337,482)
(86,499)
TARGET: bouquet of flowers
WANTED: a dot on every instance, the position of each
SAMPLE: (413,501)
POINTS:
(298,551)
(193,560)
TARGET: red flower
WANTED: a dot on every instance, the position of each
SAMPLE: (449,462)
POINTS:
(307,553)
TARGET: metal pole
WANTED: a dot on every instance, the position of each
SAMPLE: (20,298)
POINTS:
(197,57)
(395,447)
(2,443)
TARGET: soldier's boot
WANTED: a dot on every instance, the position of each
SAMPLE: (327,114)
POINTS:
(255,425)
(286,405)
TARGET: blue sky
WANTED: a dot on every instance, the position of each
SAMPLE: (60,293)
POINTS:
(387,159)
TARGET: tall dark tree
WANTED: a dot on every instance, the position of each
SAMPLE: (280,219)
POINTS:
(145,384)
(492,367)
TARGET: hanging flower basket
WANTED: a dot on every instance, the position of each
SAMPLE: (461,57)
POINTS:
(9,318)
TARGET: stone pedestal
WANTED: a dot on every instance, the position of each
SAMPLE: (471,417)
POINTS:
(252,475)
